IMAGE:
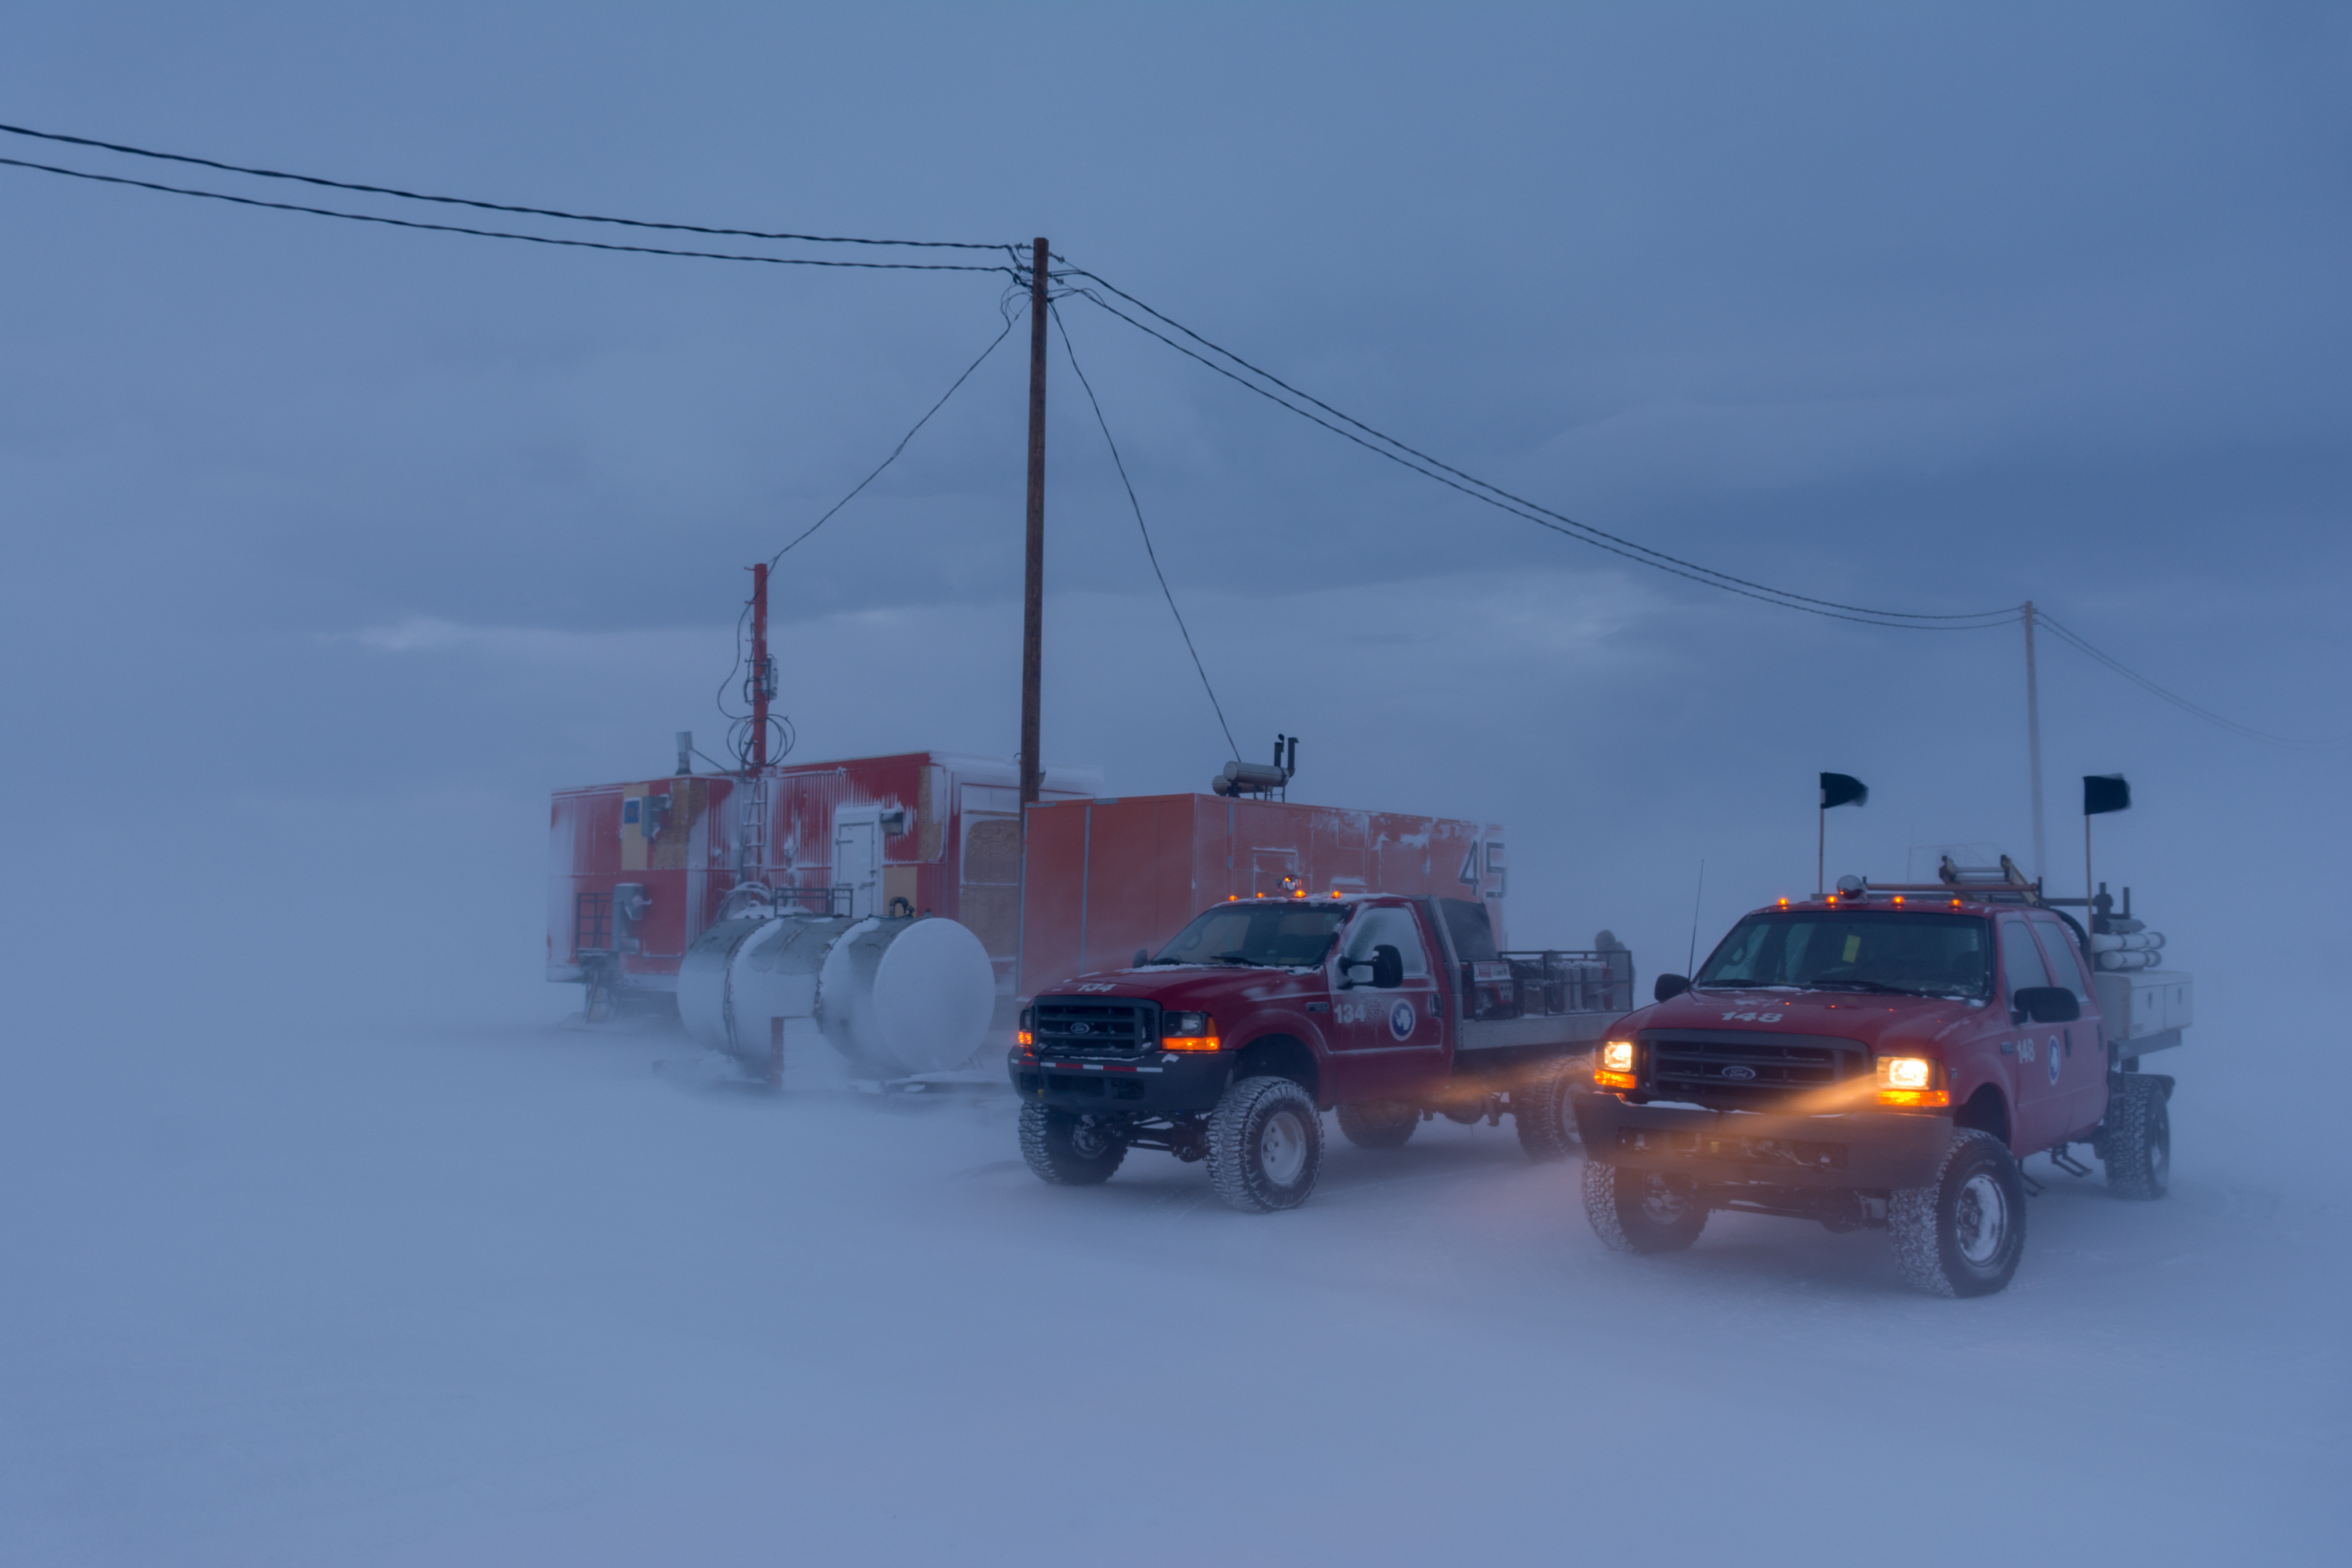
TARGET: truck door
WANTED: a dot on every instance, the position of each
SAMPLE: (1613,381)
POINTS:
(2035,1052)
(2083,1071)
(1385,1042)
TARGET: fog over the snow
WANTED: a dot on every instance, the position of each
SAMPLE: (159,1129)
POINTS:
(333,548)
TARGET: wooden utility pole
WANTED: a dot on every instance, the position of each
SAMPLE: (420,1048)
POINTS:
(2033,748)
(1033,589)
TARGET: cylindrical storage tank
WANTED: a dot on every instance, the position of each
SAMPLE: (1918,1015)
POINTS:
(907,995)
(896,996)
(741,974)
(704,977)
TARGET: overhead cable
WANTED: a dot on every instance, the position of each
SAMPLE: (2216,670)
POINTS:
(1012,320)
(1407,456)
(502,233)
(1182,630)
(483,206)
(2186,706)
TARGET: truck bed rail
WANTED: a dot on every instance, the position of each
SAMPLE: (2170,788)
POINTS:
(1549,983)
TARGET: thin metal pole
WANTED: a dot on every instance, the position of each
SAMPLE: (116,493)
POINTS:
(759,668)
(2034,747)
(1820,851)
(2090,891)
(1033,589)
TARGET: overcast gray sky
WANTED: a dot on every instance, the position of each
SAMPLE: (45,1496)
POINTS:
(334,547)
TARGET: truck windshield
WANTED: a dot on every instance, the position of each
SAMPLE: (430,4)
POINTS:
(1279,935)
(1857,950)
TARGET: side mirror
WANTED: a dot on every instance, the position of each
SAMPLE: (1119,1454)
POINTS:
(1669,986)
(2043,1005)
(1387,967)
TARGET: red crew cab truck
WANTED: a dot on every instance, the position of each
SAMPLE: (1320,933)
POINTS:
(1881,1059)
(1229,1043)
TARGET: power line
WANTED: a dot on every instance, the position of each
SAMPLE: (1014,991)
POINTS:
(2186,706)
(1012,320)
(483,206)
(1407,456)
(1530,511)
(500,234)
(1168,592)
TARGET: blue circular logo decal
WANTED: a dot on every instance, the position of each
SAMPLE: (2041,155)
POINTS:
(1401,1020)
(2053,1058)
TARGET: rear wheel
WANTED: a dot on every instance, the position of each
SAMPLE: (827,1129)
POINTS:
(1964,1234)
(1068,1150)
(1642,1211)
(2138,1138)
(1541,1111)
(1377,1123)
(1265,1146)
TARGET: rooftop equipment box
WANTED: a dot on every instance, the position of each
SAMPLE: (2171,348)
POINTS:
(1103,878)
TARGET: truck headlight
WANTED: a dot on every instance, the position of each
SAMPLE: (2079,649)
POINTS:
(1911,1082)
(1188,1032)
(1614,1068)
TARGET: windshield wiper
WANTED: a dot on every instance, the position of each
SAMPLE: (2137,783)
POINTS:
(1243,958)
(1163,958)
(1874,987)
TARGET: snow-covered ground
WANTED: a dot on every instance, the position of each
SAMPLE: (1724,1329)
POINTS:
(545,1296)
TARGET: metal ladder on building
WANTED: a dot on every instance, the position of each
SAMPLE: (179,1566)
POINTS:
(751,833)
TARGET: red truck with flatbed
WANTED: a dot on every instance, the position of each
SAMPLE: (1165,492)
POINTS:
(1228,1043)
(1887,1057)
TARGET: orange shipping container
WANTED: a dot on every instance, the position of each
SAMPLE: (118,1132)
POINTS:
(1103,878)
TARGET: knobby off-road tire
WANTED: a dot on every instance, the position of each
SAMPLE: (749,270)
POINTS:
(1265,1146)
(1540,1110)
(1642,1211)
(1964,1234)
(2138,1139)
(1067,1149)
(1377,1123)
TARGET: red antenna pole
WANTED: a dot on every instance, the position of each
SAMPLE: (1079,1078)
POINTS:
(763,679)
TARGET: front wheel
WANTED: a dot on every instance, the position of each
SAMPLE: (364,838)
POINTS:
(1541,1111)
(1964,1234)
(1065,1150)
(1265,1146)
(1377,1123)
(1642,1211)
(2139,1141)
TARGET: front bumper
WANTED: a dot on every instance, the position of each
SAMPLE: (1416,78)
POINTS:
(1157,1083)
(1865,1150)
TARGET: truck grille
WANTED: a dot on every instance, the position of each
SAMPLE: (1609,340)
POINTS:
(1069,1027)
(1743,1069)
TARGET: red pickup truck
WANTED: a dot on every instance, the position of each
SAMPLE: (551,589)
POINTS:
(1228,1043)
(1880,1059)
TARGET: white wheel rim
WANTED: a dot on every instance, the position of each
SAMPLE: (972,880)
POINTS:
(1661,1204)
(1282,1148)
(1981,1219)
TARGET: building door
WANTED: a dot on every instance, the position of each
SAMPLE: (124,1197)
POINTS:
(1274,873)
(857,858)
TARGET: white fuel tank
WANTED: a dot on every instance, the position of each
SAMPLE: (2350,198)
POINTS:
(896,996)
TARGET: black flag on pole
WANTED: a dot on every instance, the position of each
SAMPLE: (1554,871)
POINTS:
(2103,793)
(1844,789)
